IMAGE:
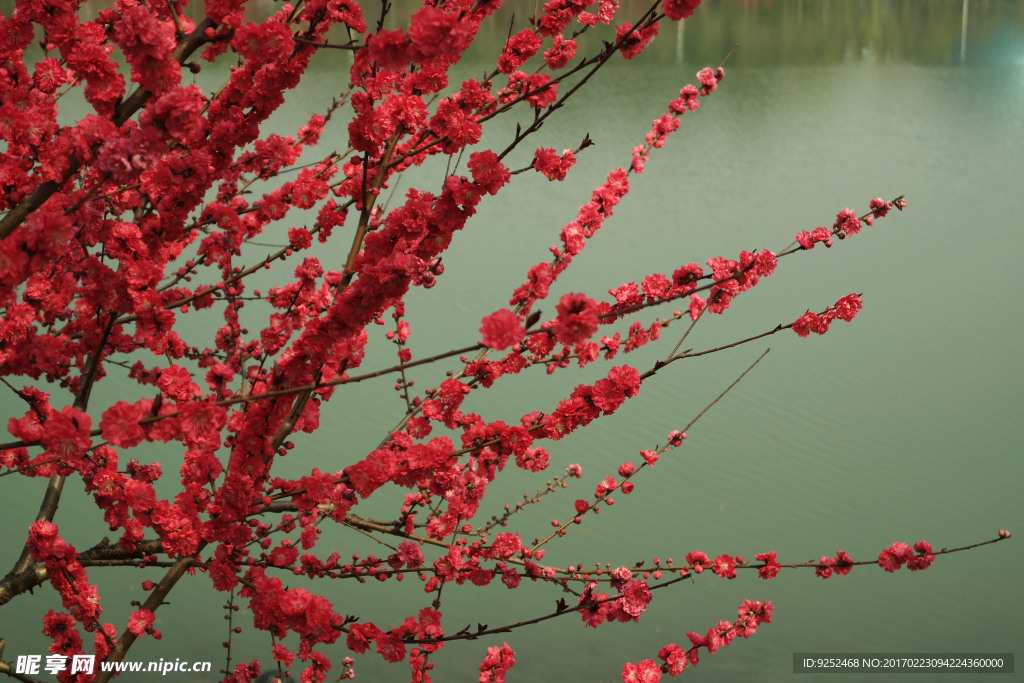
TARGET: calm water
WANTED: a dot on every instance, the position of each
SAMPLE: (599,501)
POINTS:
(899,426)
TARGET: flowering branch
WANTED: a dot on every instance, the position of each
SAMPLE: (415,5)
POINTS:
(128,108)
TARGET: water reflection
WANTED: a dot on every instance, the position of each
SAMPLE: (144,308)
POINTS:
(832,31)
(963,33)
(780,32)
(784,32)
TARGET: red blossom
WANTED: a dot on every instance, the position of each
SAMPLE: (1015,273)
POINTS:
(809,322)
(697,306)
(771,567)
(518,49)
(635,597)
(389,49)
(488,171)
(718,636)
(807,240)
(824,568)
(140,622)
(848,307)
(606,486)
(497,663)
(709,78)
(577,318)
(433,32)
(674,657)
(646,671)
(560,52)
(662,127)
(176,382)
(282,654)
(846,223)
(924,557)
(409,554)
(633,42)
(725,566)
(593,606)
(390,646)
(553,166)
(895,556)
(698,560)
(677,10)
(147,43)
(67,434)
(270,41)
(537,89)
(360,635)
(843,564)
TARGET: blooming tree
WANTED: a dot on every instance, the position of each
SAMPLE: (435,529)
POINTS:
(117,227)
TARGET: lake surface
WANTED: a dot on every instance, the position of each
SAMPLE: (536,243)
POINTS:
(898,427)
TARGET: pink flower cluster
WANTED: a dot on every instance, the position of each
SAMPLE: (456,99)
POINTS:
(845,309)
(847,223)
(587,402)
(562,50)
(631,601)
(771,566)
(497,663)
(900,554)
(841,565)
(677,10)
(65,572)
(518,49)
(632,41)
(675,659)
(551,165)
(391,644)
(501,329)
(731,277)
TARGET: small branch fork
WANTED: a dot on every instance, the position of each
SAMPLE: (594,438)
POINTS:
(11,671)
(604,496)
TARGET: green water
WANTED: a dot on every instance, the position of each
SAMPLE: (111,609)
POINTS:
(899,426)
